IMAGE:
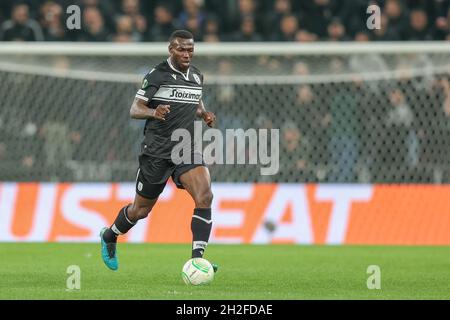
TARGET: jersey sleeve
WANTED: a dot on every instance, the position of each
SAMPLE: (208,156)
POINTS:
(149,86)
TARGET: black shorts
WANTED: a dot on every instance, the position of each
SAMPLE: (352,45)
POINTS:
(153,174)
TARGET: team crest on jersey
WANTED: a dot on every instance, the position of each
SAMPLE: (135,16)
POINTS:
(197,79)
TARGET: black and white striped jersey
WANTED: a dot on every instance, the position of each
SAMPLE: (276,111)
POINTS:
(164,84)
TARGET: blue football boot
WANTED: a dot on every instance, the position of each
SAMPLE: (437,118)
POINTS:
(109,252)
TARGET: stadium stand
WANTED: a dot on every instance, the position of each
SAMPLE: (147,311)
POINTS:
(215,20)
(388,129)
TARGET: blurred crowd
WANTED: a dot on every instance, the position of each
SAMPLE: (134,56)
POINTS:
(395,130)
(219,20)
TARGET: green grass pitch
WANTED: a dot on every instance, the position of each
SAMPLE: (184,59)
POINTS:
(153,271)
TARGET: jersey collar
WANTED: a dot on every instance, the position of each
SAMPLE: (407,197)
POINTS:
(185,76)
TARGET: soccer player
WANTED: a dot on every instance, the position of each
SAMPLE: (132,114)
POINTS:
(169,99)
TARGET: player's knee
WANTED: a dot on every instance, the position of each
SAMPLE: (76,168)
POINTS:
(204,199)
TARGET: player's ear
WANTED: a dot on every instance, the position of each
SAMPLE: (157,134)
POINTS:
(170,47)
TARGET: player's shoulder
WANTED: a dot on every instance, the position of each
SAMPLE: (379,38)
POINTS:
(158,69)
(196,70)
(155,76)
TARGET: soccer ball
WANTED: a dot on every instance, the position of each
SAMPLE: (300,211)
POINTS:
(197,271)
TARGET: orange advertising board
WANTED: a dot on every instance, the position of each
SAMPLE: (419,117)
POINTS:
(242,213)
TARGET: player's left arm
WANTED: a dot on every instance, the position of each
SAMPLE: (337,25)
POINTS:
(208,116)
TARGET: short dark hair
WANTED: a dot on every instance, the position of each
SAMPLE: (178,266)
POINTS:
(183,34)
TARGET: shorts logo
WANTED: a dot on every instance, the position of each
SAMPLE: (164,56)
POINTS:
(197,79)
(140,186)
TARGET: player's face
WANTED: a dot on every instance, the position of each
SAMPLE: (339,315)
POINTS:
(181,52)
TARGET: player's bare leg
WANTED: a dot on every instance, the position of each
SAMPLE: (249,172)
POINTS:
(140,208)
(128,217)
(197,183)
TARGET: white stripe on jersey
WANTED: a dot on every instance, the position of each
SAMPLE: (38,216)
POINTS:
(179,86)
(179,94)
(178,101)
(141,97)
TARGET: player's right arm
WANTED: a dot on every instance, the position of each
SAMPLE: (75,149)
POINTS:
(140,107)
(140,110)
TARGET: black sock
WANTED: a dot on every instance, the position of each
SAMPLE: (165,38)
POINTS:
(120,226)
(201,228)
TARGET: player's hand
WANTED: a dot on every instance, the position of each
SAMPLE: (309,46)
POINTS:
(161,111)
(210,118)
